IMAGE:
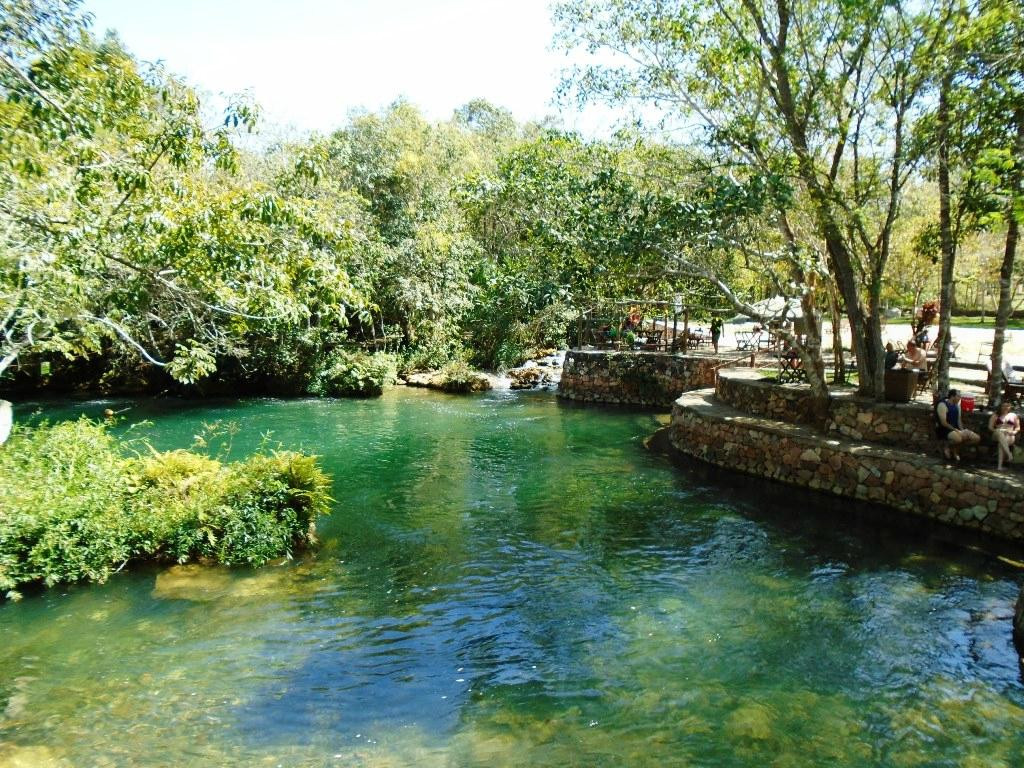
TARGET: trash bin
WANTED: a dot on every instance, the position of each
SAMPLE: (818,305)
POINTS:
(900,384)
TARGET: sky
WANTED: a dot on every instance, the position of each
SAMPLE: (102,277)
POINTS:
(310,63)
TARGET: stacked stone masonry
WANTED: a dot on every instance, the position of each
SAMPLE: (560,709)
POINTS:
(900,425)
(707,429)
(650,379)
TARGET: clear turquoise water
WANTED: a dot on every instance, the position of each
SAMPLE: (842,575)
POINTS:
(510,581)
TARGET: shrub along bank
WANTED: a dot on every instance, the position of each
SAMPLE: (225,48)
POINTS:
(74,508)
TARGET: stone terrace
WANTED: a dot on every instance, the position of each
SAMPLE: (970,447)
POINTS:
(875,452)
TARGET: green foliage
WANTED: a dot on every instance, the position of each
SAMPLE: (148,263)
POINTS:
(458,377)
(239,514)
(124,220)
(353,373)
(65,516)
(76,509)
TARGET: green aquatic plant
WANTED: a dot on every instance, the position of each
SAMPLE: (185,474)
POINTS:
(76,509)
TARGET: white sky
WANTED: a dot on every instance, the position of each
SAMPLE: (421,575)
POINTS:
(310,62)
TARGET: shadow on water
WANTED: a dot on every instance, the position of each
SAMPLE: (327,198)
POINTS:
(845,523)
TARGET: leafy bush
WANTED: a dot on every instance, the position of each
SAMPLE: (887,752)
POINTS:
(242,513)
(64,515)
(429,356)
(459,377)
(355,374)
(76,509)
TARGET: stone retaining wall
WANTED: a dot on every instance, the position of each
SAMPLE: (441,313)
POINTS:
(652,379)
(903,425)
(750,393)
(798,455)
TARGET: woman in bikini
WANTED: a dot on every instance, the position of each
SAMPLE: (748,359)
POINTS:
(1004,425)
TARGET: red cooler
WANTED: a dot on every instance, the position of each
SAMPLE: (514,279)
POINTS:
(967,403)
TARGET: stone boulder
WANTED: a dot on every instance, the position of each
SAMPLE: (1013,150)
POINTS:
(464,382)
(529,376)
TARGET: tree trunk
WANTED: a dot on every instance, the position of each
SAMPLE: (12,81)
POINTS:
(995,382)
(865,340)
(814,365)
(946,243)
(838,358)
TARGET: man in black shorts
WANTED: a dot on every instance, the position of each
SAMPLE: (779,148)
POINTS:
(948,429)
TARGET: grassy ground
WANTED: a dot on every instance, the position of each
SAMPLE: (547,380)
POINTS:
(969,322)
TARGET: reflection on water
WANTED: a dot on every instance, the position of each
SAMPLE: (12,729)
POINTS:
(508,581)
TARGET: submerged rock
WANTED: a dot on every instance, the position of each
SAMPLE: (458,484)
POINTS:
(14,756)
(465,381)
(209,582)
(750,721)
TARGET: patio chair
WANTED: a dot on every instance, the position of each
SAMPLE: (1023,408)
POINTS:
(653,339)
(984,351)
(925,379)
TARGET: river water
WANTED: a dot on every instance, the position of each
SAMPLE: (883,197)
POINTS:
(507,580)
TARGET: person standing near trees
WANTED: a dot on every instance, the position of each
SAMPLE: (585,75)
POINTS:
(716,332)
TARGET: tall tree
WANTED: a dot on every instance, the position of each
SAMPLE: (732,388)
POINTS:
(122,220)
(817,90)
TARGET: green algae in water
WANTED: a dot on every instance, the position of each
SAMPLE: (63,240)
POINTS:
(510,581)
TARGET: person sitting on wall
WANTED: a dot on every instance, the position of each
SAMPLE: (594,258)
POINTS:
(1010,375)
(914,358)
(1004,425)
(948,429)
(892,357)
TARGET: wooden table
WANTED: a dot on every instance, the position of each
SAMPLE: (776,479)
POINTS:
(744,340)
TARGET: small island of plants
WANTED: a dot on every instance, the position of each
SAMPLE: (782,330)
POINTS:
(79,508)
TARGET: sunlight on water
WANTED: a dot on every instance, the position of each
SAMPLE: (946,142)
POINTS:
(509,581)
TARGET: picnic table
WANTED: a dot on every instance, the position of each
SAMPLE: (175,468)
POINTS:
(697,339)
(651,339)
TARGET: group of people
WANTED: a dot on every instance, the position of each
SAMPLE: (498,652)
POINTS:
(1004,426)
(914,358)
